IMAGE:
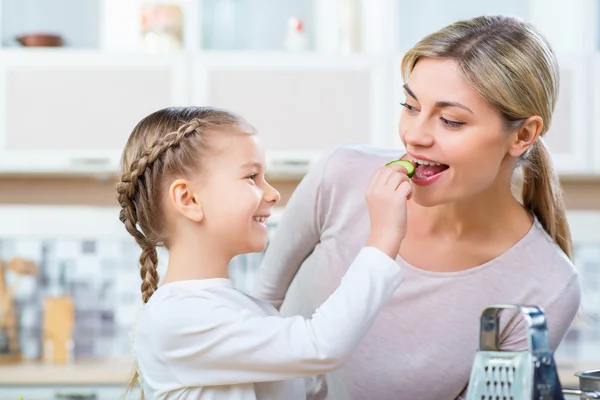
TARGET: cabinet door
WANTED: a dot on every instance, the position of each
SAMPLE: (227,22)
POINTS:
(300,104)
(67,111)
(570,133)
(594,133)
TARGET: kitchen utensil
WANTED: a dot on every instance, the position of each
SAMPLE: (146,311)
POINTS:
(59,323)
(8,315)
(517,375)
(589,385)
(40,40)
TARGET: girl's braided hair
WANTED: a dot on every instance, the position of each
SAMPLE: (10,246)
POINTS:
(168,143)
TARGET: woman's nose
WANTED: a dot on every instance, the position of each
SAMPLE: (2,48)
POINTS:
(417,134)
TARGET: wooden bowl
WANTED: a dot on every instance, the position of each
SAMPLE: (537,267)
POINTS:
(40,40)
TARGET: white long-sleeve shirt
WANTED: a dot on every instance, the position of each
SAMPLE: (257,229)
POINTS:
(203,339)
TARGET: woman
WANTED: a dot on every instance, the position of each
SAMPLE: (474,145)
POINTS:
(479,98)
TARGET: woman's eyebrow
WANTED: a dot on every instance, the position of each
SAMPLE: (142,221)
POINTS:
(410,92)
(440,104)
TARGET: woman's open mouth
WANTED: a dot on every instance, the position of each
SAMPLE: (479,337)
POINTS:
(427,171)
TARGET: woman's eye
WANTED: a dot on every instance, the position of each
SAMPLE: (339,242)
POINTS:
(452,124)
(408,107)
(252,176)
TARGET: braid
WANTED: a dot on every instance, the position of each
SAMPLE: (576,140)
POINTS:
(148,272)
(129,182)
(128,190)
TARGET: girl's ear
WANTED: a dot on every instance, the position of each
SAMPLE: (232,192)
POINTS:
(186,200)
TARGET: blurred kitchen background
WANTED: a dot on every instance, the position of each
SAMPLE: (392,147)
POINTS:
(76,75)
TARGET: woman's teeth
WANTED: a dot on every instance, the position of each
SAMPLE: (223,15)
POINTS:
(262,220)
(423,162)
(426,169)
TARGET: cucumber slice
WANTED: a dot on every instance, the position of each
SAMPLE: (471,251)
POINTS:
(410,167)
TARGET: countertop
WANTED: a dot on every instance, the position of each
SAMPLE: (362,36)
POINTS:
(117,372)
(91,372)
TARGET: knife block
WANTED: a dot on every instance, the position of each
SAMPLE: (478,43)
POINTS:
(59,323)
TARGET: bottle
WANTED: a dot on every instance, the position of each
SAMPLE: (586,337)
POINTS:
(295,38)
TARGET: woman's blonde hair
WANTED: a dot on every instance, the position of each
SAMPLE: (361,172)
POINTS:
(513,67)
(168,143)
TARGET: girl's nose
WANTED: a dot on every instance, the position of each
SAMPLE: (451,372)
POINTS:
(271,195)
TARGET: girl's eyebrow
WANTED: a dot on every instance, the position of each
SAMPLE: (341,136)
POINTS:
(252,164)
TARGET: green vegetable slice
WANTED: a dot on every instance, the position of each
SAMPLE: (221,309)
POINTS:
(410,167)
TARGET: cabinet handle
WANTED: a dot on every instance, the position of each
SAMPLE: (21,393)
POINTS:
(291,163)
(75,396)
(90,162)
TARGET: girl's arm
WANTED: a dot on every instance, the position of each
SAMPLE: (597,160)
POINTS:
(204,342)
(297,234)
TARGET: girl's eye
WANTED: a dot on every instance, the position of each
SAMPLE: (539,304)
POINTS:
(452,124)
(252,176)
(408,107)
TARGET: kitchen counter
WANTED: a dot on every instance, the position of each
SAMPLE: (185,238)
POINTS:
(117,372)
(85,372)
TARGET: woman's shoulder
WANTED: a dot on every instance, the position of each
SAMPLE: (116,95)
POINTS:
(351,165)
(548,252)
(537,260)
(360,153)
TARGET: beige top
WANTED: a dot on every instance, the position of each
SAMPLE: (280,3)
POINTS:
(423,342)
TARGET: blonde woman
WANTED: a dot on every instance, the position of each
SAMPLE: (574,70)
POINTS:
(479,98)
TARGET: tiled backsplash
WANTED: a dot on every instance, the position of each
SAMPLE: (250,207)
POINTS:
(98,271)
(86,254)
(101,277)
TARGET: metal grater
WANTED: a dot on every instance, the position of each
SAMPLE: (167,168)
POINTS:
(514,375)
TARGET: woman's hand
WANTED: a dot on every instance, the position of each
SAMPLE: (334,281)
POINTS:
(387,194)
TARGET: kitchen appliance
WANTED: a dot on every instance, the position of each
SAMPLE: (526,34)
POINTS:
(521,375)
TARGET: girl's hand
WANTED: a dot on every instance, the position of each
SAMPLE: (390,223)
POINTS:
(387,194)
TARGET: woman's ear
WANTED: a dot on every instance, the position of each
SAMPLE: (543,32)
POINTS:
(186,200)
(526,135)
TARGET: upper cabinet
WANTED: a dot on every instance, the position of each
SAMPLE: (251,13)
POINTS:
(571,130)
(308,74)
(300,105)
(68,111)
(595,115)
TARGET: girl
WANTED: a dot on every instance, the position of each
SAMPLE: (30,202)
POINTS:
(193,180)
(479,98)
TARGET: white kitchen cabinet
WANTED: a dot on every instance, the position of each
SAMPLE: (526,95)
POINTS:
(569,26)
(76,21)
(69,111)
(300,104)
(594,134)
(570,132)
(397,94)
(415,19)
